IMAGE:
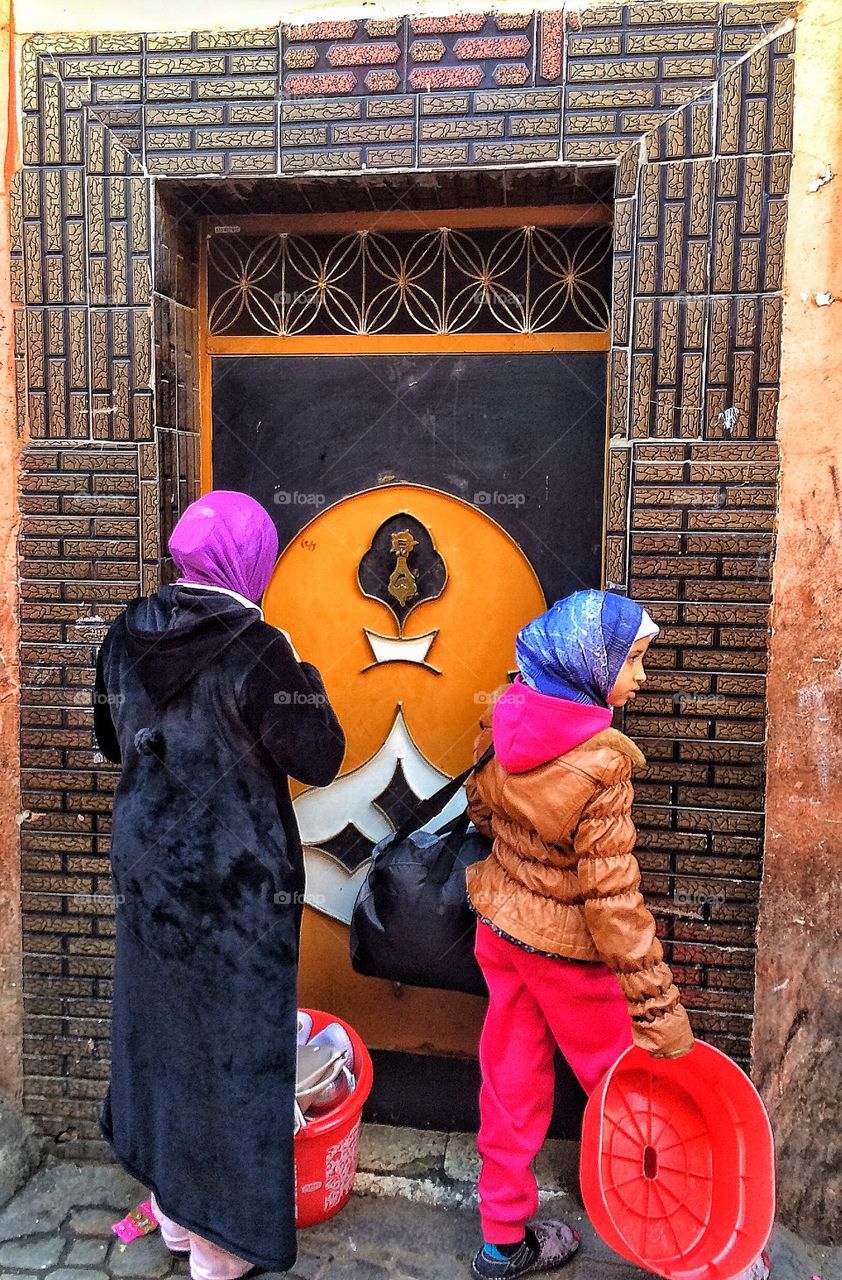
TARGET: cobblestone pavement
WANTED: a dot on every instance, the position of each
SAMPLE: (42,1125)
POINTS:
(58,1227)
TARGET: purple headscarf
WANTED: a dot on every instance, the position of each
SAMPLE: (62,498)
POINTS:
(226,539)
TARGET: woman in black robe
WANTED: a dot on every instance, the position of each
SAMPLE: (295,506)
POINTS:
(208,709)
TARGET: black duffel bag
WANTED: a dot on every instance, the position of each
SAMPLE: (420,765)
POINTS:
(411,921)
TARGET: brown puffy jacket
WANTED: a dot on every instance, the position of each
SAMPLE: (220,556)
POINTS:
(563,879)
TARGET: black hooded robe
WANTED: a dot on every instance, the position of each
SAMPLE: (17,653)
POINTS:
(208,712)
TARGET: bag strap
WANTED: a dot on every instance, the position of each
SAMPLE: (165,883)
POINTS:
(423,810)
(442,869)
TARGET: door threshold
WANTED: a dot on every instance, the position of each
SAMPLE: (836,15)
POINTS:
(428,1166)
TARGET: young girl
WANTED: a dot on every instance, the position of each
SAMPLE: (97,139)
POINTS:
(565,942)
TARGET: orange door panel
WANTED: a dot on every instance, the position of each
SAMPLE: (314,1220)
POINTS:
(409,692)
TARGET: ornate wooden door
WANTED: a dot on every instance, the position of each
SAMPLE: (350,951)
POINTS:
(422,409)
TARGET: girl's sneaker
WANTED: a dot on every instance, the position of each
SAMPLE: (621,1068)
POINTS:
(546,1246)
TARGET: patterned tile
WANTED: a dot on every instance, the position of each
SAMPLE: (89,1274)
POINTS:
(231,137)
(348,133)
(343,57)
(673,228)
(756,101)
(627,71)
(470,51)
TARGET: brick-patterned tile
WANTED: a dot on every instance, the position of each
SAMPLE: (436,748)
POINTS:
(469,51)
(627,72)
(232,137)
(348,133)
(338,57)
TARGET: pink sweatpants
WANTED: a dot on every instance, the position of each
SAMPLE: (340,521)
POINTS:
(207,1260)
(535,1003)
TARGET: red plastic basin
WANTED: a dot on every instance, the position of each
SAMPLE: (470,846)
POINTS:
(678,1165)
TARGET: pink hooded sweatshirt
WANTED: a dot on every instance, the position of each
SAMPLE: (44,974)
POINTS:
(532,728)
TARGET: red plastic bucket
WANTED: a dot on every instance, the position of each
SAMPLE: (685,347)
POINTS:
(327,1148)
(678,1164)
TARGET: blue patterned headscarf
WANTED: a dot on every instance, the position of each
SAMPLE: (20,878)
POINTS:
(576,649)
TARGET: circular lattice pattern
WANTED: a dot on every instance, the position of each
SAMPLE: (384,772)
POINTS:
(434,281)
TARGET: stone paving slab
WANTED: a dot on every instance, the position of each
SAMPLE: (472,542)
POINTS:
(408,1153)
(45,1200)
(36,1251)
(58,1227)
(87,1253)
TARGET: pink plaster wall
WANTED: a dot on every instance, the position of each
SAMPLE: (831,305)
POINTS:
(796,1042)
